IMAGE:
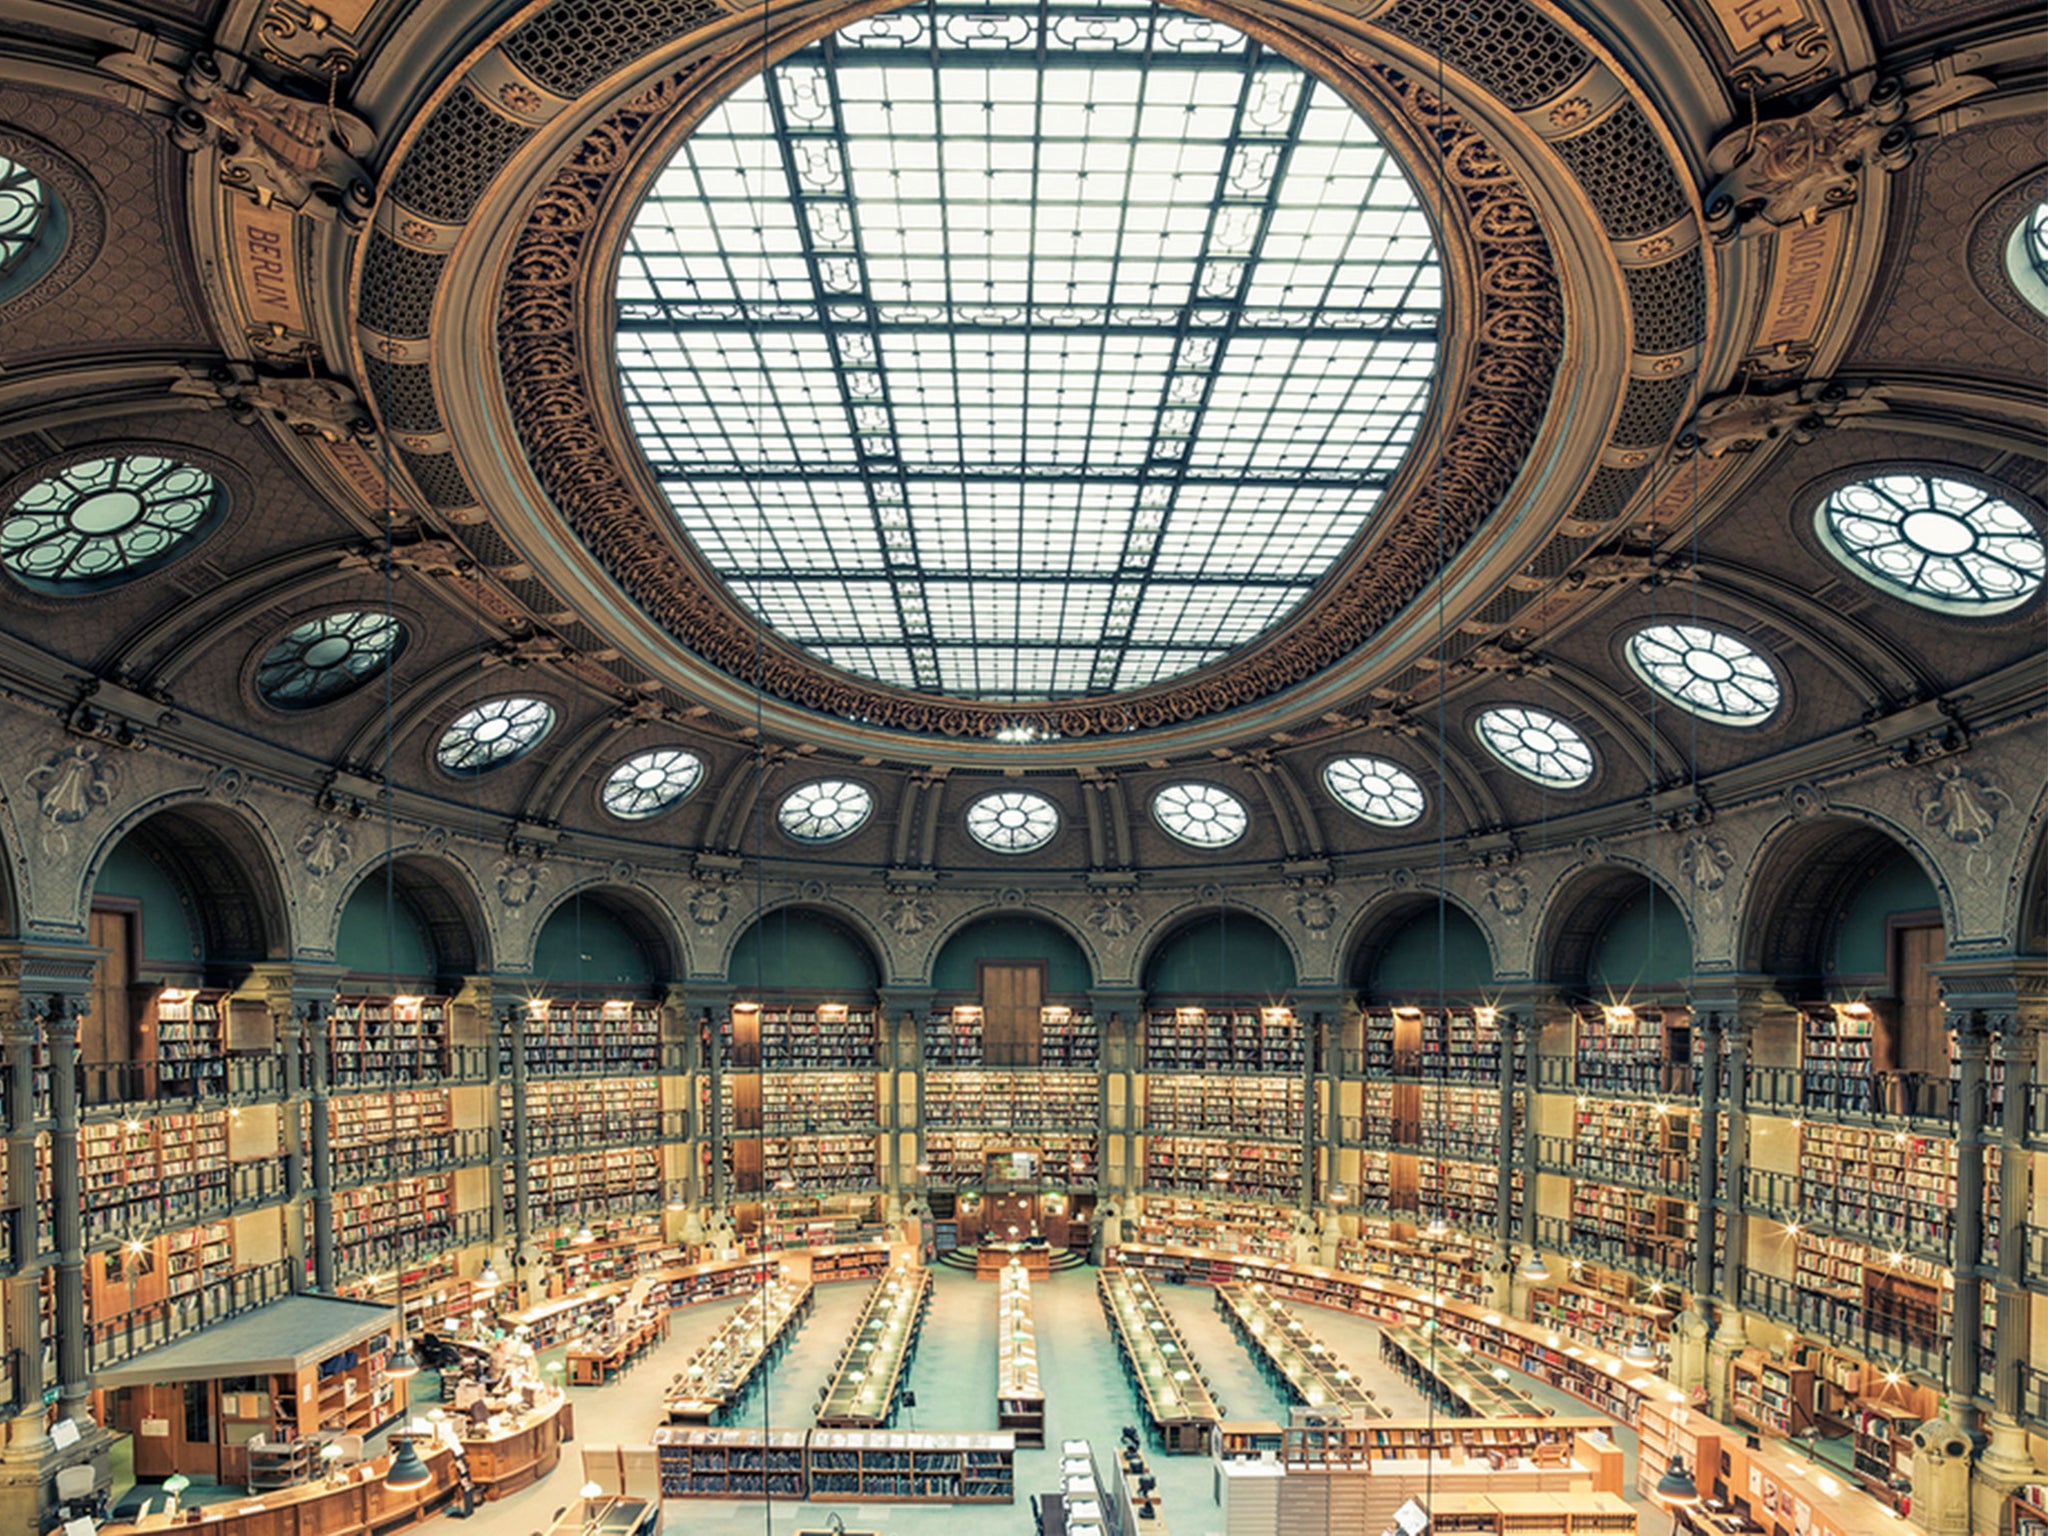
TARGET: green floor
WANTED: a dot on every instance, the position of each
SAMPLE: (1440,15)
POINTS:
(954,1380)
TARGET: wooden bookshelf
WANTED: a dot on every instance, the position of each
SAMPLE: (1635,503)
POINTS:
(1631,1051)
(1068,1038)
(1458,1045)
(1844,1047)
(909,1468)
(961,1159)
(1892,1186)
(1532,1514)
(803,1037)
(1259,1109)
(1224,1040)
(1771,1395)
(385,1039)
(1227,1225)
(1020,1399)
(1607,1314)
(731,1463)
(1340,1447)
(1020,1100)
(185,1034)
(589,1037)
(1266,1171)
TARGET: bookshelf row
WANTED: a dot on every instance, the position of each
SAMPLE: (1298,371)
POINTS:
(1066,1038)
(587,1037)
(961,1159)
(1456,1045)
(1224,1040)
(803,1037)
(1012,1101)
(1253,1170)
(1268,1109)
(877,1466)
(566,1187)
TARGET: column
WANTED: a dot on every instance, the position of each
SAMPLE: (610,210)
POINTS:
(2005,1462)
(899,1025)
(313,1027)
(20,1029)
(60,1031)
(1120,1018)
(1320,1010)
(521,1153)
(1690,1331)
(1732,1021)
(699,1005)
(1973,1029)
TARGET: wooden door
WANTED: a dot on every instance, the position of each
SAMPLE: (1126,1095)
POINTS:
(1012,992)
(1923,1032)
(104,1036)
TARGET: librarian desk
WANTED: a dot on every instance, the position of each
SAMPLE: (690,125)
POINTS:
(991,1259)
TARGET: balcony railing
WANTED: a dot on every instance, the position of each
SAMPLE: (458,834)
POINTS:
(1774,1090)
(2034,1396)
(2037,1116)
(1556,1074)
(127,1334)
(593,1131)
(366,1255)
(1881,1336)
(408,1156)
(10,1239)
(1640,1167)
(138,1087)
(1918,1227)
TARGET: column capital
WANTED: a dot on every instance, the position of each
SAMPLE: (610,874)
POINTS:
(692,1000)
(1126,1001)
(2003,995)
(1734,1005)
(1328,999)
(1533,1004)
(894,1001)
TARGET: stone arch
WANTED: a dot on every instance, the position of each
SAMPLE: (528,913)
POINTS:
(644,915)
(1380,920)
(967,924)
(1582,903)
(1191,915)
(2027,910)
(227,866)
(1800,875)
(835,913)
(443,894)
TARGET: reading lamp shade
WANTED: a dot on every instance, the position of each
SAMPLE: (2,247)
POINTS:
(1640,1350)
(408,1471)
(1533,1267)
(1676,1489)
(401,1366)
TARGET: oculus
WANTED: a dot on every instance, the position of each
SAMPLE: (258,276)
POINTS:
(824,810)
(1022,357)
(322,659)
(1013,821)
(493,734)
(648,783)
(1934,540)
(1706,672)
(1537,745)
(1375,790)
(1201,815)
(105,520)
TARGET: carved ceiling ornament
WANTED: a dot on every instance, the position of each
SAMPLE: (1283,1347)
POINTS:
(1495,406)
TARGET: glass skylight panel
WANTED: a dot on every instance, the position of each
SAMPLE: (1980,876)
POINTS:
(1537,745)
(1201,815)
(1708,672)
(1013,821)
(321,659)
(1936,541)
(1375,790)
(976,326)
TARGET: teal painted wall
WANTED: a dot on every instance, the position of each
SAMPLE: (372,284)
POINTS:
(1858,946)
(582,944)
(1408,964)
(1646,945)
(1012,938)
(167,932)
(1221,957)
(801,952)
(364,944)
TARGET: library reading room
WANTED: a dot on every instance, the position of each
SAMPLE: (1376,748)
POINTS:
(1024,767)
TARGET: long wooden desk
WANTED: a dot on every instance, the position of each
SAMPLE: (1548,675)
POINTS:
(720,1373)
(1314,1377)
(1020,1400)
(865,1385)
(597,1358)
(1441,1369)
(1171,1388)
(609,1517)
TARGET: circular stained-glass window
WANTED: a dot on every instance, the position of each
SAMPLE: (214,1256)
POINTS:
(825,810)
(24,214)
(1200,814)
(320,660)
(1536,745)
(1013,821)
(648,783)
(1383,793)
(1934,540)
(105,520)
(493,733)
(1709,672)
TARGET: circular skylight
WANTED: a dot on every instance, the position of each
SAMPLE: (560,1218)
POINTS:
(106,519)
(650,782)
(1536,745)
(1013,821)
(1201,814)
(1934,540)
(1027,354)
(2026,257)
(493,733)
(824,810)
(322,659)
(24,207)
(1383,793)
(1707,671)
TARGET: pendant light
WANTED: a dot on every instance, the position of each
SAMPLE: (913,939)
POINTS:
(1534,1270)
(407,1470)
(1639,1350)
(1676,1489)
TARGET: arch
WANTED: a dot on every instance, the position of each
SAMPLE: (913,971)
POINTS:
(1019,936)
(1619,900)
(225,867)
(644,916)
(2027,918)
(836,956)
(1384,939)
(1800,879)
(445,901)
(1219,951)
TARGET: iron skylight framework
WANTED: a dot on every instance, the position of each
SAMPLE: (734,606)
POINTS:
(1018,353)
